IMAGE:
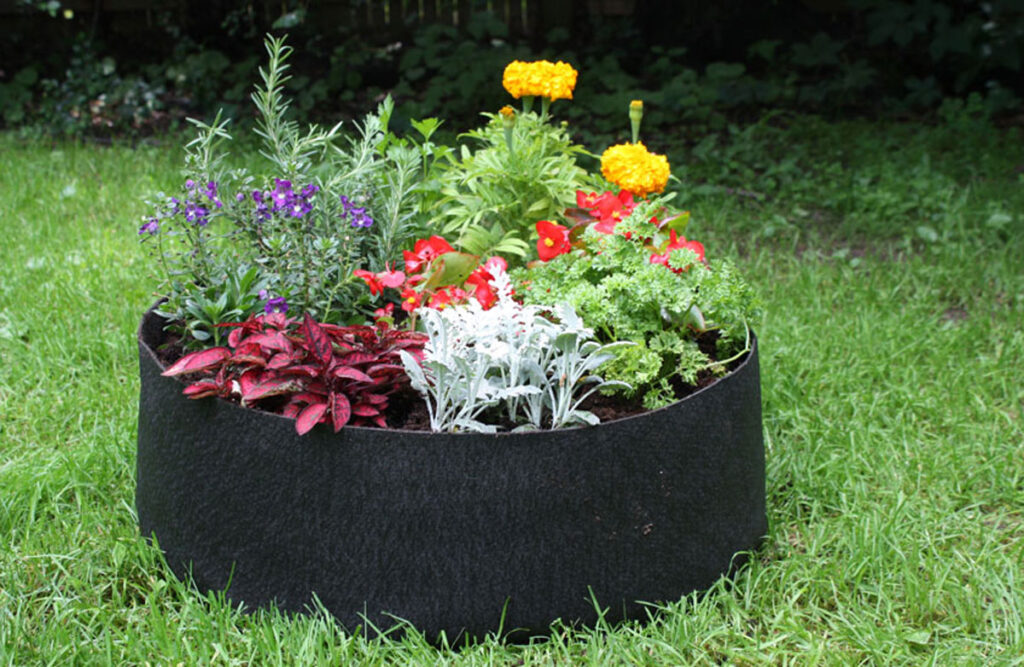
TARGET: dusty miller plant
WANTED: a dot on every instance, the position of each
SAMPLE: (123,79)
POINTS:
(529,362)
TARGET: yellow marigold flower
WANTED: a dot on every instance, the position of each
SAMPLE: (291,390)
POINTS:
(632,167)
(542,78)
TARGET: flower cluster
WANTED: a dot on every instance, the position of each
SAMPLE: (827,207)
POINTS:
(632,167)
(356,215)
(195,208)
(542,78)
(437,276)
(283,198)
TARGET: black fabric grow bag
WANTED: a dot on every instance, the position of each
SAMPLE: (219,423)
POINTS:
(451,531)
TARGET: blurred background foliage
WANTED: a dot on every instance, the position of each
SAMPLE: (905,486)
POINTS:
(131,68)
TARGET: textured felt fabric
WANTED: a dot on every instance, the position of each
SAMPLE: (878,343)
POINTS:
(450,531)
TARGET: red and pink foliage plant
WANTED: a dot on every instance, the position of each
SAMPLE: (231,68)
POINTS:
(323,372)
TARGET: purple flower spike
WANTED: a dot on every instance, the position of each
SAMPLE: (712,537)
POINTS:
(277,304)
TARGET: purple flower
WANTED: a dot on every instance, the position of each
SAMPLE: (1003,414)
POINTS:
(356,215)
(151,226)
(197,214)
(189,184)
(310,190)
(277,304)
(239,197)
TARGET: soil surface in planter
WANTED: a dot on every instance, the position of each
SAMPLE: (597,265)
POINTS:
(407,410)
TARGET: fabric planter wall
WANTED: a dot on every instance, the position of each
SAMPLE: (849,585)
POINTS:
(451,531)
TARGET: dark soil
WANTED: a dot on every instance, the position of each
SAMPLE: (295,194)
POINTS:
(407,410)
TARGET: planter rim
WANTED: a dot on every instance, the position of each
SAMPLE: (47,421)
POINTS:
(144,344)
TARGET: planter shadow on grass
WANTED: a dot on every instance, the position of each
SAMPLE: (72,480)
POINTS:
(451,531)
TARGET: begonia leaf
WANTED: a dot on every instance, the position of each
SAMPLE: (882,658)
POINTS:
(451,268)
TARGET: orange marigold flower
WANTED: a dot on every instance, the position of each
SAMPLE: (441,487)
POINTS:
(542,78)
(632,167)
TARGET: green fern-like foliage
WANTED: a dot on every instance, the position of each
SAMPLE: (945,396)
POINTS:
(494,195)
(623,296)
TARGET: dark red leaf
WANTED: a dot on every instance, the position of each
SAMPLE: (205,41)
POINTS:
(310,417)
(374,399)
(364,410)
(379,368)
(308,397)
(354,358)
(379,420)
(283,359)
(272,340)
(351,374)
(248,380)
(198,361)
(272,387)
(291,410)
(308,370)
(202,389)
(250,353)
(317,340)
(340,411)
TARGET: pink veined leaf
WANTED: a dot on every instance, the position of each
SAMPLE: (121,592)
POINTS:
(355,358)
(272,387)
(284,359)
(317,340)
(202,389)
(394,368)
(308,397)
(291,410)
(248,380)
(375,399)
(277,320)
(310,417)
(250,353)
(307,370)
(364,410)
(340,411)
(272,340)
(351,373)
(198,361)
(380,421)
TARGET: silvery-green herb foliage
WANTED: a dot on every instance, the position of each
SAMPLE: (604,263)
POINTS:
(531,365)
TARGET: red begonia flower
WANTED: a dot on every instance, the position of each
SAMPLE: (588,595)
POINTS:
(609,209)
(424,252)
(553,241)
(410,300)
(481,279)
(378,281)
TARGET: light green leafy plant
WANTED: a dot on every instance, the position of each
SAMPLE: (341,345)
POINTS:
(493,195)
(667,314)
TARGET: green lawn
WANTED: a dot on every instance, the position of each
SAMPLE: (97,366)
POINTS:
(891,263)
